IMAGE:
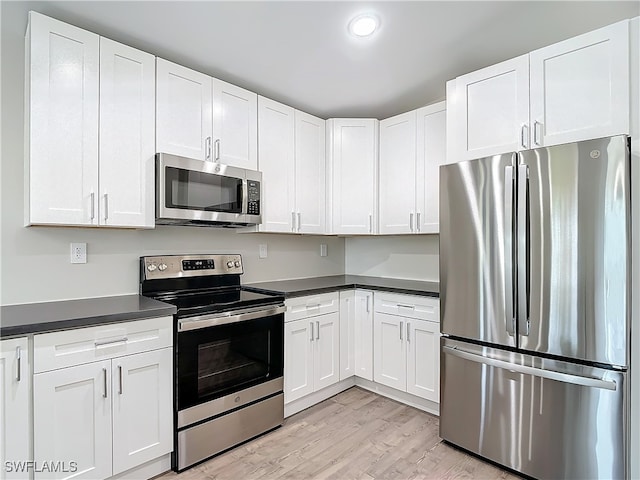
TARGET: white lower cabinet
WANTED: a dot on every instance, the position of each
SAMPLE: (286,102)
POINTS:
(104,417)
(356,334)
(406,348)
(15,423)
(311,345)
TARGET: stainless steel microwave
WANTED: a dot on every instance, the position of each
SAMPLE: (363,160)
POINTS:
(193,192)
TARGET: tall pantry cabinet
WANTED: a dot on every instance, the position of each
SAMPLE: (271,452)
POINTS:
(89,118)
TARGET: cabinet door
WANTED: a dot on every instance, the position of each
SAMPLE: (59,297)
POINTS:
(72,419)
(494,109)
(184,122)
(364,334)
(235,125)
(15,418)
(347,333)
(389,351)
(62,123)
(354,163)
(142,408)
(580,87)
(298,359)
(276,162)
(423,359)
(398,173)
(127,131)
(310,173)
(431,153)
(327,354)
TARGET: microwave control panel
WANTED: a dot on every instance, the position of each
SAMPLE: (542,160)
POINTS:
(253,200)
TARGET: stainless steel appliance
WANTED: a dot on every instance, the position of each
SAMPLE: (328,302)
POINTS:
(229,353)
(193,192)
(534,291)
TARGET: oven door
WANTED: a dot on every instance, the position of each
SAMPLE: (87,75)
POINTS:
(195,191)
(223,354)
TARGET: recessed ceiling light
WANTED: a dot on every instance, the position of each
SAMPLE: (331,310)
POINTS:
(363,25)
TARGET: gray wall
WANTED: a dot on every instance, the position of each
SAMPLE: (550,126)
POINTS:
(35,260)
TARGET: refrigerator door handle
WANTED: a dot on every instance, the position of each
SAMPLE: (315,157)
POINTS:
(522,249)
(508,250)
(536,372)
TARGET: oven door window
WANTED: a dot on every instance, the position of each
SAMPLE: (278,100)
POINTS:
(216,361)
(193,190)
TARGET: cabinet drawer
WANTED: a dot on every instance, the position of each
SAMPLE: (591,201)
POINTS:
(410,306)
(82,345)
(311,306)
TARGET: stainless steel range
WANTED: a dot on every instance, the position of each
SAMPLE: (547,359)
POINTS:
(229,353)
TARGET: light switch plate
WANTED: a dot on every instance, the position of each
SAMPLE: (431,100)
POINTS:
(323,249)
(78,253)
(262,251)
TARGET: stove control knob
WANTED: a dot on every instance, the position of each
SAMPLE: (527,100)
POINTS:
(162,267)
(152,267)
(229,264)
(237,263)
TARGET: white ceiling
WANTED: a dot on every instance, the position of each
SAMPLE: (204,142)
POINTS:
(300,53)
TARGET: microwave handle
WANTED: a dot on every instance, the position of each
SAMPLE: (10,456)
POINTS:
(245,196)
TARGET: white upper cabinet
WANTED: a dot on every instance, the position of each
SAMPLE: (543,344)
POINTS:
(352,145)
(570,91)
(580,87)
(310,173)
(397,190)
(184,118)
(412,148)
(276,162)
(291,157)
(235,126)
(127,136)
(493,110)
(201,117)
(90,129)
(431,125)
(61,177)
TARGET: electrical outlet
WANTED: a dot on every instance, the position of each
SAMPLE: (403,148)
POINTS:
(78,253)
(263,251)
(323,249)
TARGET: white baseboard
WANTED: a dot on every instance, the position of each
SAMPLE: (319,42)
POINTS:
(403,397)
(317,397)
(147,470)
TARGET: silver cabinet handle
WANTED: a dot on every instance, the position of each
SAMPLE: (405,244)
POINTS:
(311,339)
(524,133)
(401,328)
(508,250)
(104,386)
(299,221)
(93,205)
(418,222)
(536,129)
(408,330)
(293,221)
(217,150)
(403,305)
(313,307)
(120,379)
(370,223)
(110,342)
(18,364)
(207,146)
(411,221)
(368,309)
(106,206)
(523,250)
(317,329)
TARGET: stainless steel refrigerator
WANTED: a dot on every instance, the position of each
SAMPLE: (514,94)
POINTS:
(535,307)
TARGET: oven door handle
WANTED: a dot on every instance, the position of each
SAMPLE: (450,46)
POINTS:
(234,316)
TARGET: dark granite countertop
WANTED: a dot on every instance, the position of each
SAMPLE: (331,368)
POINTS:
(43,317)
(316,285)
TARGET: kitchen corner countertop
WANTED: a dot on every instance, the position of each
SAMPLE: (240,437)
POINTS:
(315,285)
(44,317)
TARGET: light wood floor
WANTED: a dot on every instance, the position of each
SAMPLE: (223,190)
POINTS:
(354,435)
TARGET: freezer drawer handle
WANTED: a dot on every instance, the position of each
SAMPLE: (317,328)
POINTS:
(536,372)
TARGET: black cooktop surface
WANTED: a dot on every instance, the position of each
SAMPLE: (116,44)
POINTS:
(217,300)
